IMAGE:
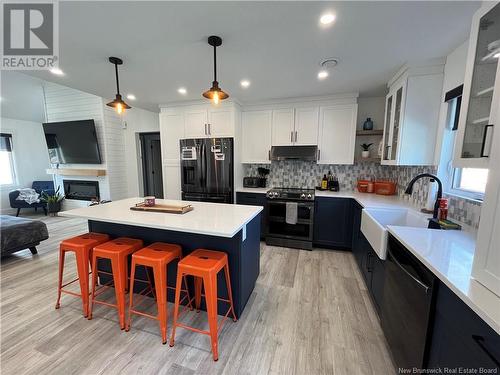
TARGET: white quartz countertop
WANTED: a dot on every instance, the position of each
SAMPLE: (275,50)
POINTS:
(213,219)
(253,190)
(449,255)
(364,199)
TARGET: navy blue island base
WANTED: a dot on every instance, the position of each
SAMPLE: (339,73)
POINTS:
(243,250)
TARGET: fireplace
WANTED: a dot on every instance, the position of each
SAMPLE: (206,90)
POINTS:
(81,190)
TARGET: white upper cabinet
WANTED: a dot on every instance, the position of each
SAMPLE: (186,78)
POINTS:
(412,114)
(209,122)
(295,126)
(337,134)
(283,127)
(486,266)
(481,91)
(220,122)
(256,135)
(196,122)
(306,126)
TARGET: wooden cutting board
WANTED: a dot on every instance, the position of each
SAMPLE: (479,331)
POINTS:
(165,208)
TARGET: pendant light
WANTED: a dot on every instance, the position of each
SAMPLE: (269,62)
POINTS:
(215,93)
(118,104)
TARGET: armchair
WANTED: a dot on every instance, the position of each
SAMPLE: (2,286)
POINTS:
(39,187)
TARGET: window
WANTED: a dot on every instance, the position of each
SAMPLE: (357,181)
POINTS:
(7,173)
(466,182)
(471,180)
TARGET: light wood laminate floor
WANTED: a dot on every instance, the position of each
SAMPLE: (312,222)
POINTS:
(310,313)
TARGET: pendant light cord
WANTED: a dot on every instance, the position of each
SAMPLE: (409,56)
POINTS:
(215,63)
(117,82)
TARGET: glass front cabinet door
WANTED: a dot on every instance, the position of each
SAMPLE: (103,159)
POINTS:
(393,120)
(481,97)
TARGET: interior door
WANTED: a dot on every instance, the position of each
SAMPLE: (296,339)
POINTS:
(152,164)
(283,127)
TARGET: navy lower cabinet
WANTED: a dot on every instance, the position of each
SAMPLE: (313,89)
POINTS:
(332,222)
(255,199)
(372,269)
(460,338)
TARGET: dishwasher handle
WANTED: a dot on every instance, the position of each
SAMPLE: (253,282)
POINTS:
(419,282)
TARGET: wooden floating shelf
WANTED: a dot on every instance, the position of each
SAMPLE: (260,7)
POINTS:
(77,172)
(370,132)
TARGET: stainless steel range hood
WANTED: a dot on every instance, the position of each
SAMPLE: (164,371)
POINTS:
(294,153)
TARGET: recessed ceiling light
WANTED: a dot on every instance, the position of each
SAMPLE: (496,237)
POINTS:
(323,74)
(131,96)
(182,91)
(57,71)
(327,18)
(245,83)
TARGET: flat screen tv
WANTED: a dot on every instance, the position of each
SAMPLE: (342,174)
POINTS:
(72,142)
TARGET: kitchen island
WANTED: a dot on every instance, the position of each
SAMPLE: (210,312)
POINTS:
(234,229)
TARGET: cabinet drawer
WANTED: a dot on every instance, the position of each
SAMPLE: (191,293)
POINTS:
(255,199)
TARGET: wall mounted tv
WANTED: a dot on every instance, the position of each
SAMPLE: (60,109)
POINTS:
(72,142)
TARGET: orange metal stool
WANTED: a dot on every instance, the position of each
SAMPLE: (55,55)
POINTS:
(82,247)
(205,265)
(117,251)
(156,256)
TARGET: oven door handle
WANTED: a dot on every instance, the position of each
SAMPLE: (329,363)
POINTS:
(420,283)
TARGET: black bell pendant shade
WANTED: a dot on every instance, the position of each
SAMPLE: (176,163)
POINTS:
(215,93)
(118,104)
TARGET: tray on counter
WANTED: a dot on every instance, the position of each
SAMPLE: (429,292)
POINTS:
(165,208)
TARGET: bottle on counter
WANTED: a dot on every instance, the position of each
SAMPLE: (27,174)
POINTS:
(335,183)
(324,183)
(329,180)
(443,209)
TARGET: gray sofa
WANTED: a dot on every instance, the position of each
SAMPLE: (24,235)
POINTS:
(19,233)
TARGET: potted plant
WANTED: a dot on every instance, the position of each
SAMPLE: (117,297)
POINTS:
(366,150)
(53,201)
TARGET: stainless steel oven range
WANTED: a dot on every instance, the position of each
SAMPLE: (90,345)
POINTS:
(290,217)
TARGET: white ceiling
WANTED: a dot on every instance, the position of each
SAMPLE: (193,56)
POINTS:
(276,45)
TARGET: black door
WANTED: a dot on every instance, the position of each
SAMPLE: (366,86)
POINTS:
(151,164)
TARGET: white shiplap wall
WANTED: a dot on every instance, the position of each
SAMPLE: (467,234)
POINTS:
(115,153)
(66,104)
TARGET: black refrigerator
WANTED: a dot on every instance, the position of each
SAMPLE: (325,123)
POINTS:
(207,169)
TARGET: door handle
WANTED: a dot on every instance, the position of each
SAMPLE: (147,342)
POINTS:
(205,129)
(269,154)
(291,137)
(483,144)
(295,135)
(209,129)
(420,283)
(319,154)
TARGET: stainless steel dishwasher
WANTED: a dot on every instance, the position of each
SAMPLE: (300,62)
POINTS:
(407,306)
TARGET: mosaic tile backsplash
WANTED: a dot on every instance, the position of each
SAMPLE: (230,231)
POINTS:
(306,174)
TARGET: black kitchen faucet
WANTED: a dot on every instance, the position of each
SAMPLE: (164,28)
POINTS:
(433,178)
